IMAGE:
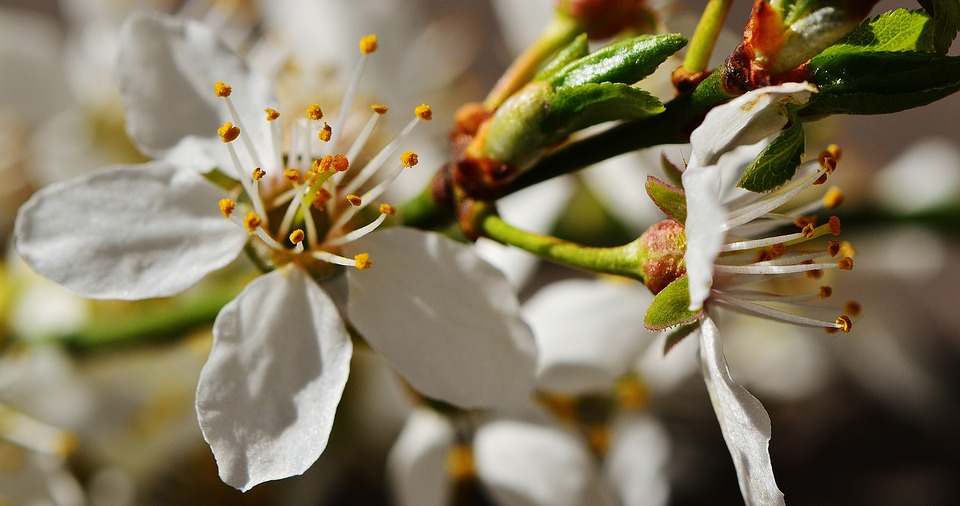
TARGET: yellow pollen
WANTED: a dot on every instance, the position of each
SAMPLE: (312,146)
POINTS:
(834,225)
(460,463)
(296,237)
(847,249)
(409,159)
(272,114)
(846,325)
(363,261)
(387,209)
(314,112)
(292,175)
(354,200)
(258,174)
(845,264)
(853,308)
(222,89)
(833,199)
(227,206)
(424,112)
(825,291)
(228,132)
(834,151)
(833,247)
(340,163)
(368,44)
(379,108)
(251,221)
(325,133)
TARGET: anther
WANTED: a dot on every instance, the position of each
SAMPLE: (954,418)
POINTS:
(820,180)
(844,323)
(340,163)
(321,198)
(222,89)
(227,206)
(363,261)
(272,114)
(368,44)
(424,112)
(777,250)
(409,159)
(833,247)
(296,237)
(314,113)
(325,133)
(845,264)
(803,221)
(354,200)
(251,221)
(834,151)
(833,198)
(825,291)
(847,249)
(852,308)
(834,225)
(292,175)
(258,174)
(828,162)
(228,132)
(387,209)
(460,463)
(808,230)
(379,108)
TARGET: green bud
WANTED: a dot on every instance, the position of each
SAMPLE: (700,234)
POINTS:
(662,247)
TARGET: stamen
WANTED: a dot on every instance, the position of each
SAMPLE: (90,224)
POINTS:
(314,112)
(424,112)
(834,225)
(331,258)
(354,200)
(459,464)
(325,133)
(379,108)
(363,261)
(258,174)
(825,292)
(847,249)
(771,313)
(251,221)
(845,264)
(272,114)
(833,247)
(771,268)
(358,233)
(228,132)
(762,207)
(368,44)
(852,308)
(227,206)
(292,175)
(844,323)
(297,236)
(833,198)
(219,90)
(409,159)
(387,209)
(222,89)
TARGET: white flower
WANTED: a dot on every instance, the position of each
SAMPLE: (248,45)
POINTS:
(267,396)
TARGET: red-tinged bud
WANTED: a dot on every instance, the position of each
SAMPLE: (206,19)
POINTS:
(605,18)
(662,248)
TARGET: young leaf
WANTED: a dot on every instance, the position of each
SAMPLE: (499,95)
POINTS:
(899,30)
(946,22)
(670,199)
(669,307)
(625,62)
(777,163)
(589,104)
(574,51)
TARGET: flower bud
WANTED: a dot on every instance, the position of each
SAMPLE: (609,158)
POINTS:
(662,248)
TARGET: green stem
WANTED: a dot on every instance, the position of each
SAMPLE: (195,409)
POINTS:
(705,36)
(620,260)
(424,212)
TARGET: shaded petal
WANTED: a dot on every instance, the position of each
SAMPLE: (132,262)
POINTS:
(743,421)
(128,232)
(446,319)
(522,463)
(417,465)
(745,120)
(588,332)
(268,393)
(637,459)
(704,229)
(167,68)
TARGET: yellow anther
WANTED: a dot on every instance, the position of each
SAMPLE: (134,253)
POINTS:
(598,436)
(272,114)
(379,108)
(354,200)
(424,112)
(834,151)
(833,247)
(632,393)
(227,206)
(844,322)
(409,159)
(296,237)
(228,132)
(292,175)
(387,209)
(314,112)
(808,230)
(845,264)
(834,225)
(258,174)
(363,261)
(321,198)
(222,89)
(833,198)
(368,44)
(251,221)
(852,308)
(325,133)
(825,291)
(460,463)
(828,162)
(340,163)
(847,249)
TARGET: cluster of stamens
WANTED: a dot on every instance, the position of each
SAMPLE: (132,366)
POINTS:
(303,206)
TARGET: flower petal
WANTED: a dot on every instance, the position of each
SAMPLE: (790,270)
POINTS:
(528,464)
(637,460)
(704,229)
(128,232)
(745,120)
(268,393)
(448,321)
(417,465)
(167,68)
(588,333)
(743,421)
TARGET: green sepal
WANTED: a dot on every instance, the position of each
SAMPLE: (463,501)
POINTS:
(627,61)
(670,169)
(946,22)
(878,82)
(674,338)
(669,307)
(777,163)
(574,51)
(670,199)
(572,109)
(899,30)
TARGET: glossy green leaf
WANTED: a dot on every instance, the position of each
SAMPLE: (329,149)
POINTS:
(575,108)
(627,61)
(777,163)
(670,199)
(669,307)
(946,22)
(899,30)
(574,51)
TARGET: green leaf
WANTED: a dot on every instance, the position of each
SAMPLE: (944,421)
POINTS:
(670,199)
(946,22)
(627,61)
(669,307)
(676,336)
(578,107)
(574,51)
(777,163)
(899,30)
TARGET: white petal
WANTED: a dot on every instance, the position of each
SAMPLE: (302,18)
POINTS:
(268,393)
(637,459)
(167,68)
(588,332)
(527,464)
(745,120)
(447,320)
(743,421)
(417,465)
(128,232)
(704,229)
